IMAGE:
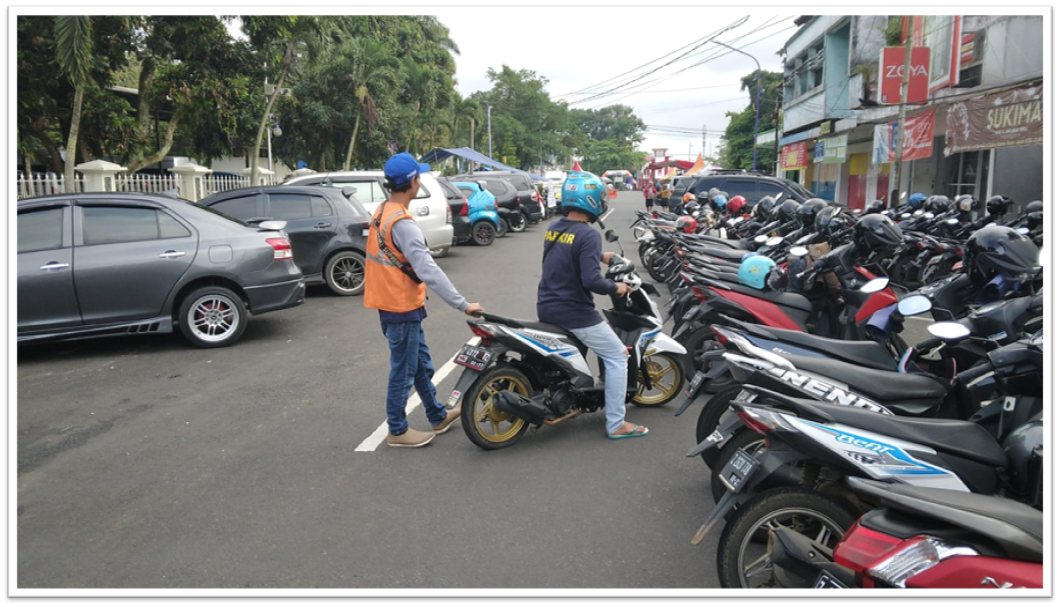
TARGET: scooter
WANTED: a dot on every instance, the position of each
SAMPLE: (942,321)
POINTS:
(919,538)
(525,374)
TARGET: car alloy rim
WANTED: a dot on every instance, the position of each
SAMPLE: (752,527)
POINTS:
(482,234)
(348,274)
(213,318)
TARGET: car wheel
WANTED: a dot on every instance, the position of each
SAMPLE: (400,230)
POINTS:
(483,233)
(344,273)
(518,222)
(212,317)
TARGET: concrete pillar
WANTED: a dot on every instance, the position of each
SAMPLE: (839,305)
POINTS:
(190,181)
(99,175)
(264,176)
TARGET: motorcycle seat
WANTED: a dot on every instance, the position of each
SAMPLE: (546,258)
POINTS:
(781,298)
(713,241)
(865,353)
(884,387)
(963,439)
(1016,527)
(726,254)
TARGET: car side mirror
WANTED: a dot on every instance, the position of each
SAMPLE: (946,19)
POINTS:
(875,285)
(949,331)
(914,305)
(610,236)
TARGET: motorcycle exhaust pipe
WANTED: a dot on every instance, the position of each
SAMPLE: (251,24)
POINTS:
(532,410)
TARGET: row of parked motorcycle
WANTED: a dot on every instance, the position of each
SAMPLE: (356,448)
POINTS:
(841,456)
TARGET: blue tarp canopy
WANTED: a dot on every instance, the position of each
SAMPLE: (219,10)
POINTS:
(439,154)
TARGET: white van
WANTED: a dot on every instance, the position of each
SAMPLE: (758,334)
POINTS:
(430,208)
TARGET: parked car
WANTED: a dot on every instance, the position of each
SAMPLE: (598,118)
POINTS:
(529,199)
(512,217)
(457,200)
(480,207)
(752,187)
(430,208)
(116,264)
(327,228)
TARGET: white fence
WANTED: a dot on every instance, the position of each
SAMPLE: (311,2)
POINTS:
(41,184)
(44,184)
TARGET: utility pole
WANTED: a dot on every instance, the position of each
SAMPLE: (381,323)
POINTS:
(703,150)
(899,141)
(489,126)
(776,137)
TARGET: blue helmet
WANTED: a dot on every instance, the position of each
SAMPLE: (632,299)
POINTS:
(720,201)
(754,271)
(916,199)
(585,192)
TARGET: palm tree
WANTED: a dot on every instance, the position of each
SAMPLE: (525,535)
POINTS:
(423,84)
(73,53)
(372,67)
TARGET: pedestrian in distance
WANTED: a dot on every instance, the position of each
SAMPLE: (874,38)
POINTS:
(649,197)
(398,270)
(570,274)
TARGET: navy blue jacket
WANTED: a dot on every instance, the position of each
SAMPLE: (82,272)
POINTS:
(570,274)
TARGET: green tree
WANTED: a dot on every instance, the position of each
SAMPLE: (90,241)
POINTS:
(73,54)
(739,137)
(372,68)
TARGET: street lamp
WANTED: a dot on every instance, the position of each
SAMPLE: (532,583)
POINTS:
(274,130)
(489,126)
(758,100)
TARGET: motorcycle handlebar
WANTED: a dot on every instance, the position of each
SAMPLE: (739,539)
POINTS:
(976,371)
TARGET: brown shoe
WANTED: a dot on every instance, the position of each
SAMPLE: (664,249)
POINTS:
(411,438)
(450,420)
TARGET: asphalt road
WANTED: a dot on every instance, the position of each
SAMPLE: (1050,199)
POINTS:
(146,463)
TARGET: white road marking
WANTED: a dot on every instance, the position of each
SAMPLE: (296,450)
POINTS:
(372,442)
(604,216)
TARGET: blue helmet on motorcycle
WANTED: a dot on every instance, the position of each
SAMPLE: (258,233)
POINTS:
(585,192)
(755,270)
(720,201)
(916,200)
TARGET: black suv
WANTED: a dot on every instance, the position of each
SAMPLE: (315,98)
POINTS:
(327,228)
(457,200)
(529,199)
(751,186)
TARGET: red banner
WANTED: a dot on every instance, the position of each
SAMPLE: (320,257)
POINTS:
(892,67)
(918,136)
(793,157)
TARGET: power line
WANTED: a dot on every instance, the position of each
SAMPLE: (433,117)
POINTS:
(668,63)
(679,108)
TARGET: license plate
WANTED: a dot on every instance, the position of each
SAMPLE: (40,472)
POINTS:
(826,580)
(738,470)
(474,358)
(689,314)
(697,379)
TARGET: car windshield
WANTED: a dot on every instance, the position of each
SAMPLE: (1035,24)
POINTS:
(216,212)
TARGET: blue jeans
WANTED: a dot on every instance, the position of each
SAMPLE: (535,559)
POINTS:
(410,362)
(602,340)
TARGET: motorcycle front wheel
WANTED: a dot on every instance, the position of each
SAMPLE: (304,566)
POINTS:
(486,426)
(667,376)
(743,551)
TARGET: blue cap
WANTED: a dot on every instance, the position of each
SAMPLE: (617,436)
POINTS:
(403,168)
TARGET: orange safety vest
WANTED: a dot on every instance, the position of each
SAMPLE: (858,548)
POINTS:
(386,287)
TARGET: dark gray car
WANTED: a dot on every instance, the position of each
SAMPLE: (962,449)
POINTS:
(327,227)
(114,264)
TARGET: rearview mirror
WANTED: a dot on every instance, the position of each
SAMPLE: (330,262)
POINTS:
(1024,230)
(949,331)
(761,238)
(875,285)
(952,221)
(774,241)
(929,215)
(914,305)
(904,216)
(610,236)
(918,212)
(799,251)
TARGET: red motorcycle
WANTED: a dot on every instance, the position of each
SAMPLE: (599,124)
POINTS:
(920,538)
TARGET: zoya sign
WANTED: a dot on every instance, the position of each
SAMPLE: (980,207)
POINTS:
(892,72)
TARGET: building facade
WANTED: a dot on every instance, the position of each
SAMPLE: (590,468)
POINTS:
(976,130)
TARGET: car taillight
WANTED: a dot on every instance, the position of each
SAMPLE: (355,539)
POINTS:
(875,556)
(536,197)
(281,248)
(495,203)
(464,210)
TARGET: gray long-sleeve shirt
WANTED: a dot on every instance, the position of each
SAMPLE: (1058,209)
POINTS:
(408,238)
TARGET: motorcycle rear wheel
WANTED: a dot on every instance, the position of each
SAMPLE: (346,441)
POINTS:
(660,367)
(698,342)
(501,430)
(741,561)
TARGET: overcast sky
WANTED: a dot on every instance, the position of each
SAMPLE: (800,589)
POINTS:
(577,47)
